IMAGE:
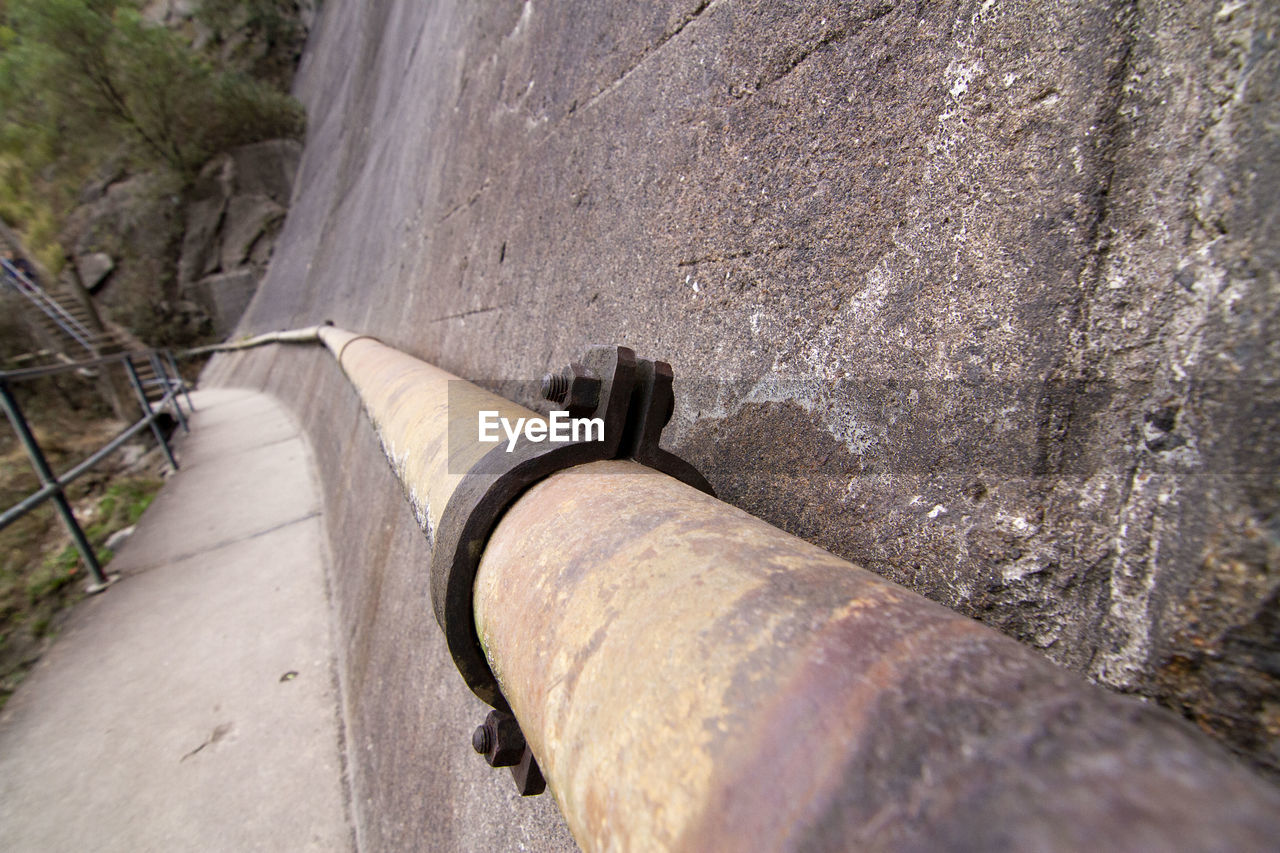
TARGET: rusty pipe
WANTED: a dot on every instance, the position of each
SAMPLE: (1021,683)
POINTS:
(425,417)
(691,678)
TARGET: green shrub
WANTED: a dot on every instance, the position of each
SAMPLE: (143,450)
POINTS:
(53,574)
(87,83)
(80,77)
(259,37)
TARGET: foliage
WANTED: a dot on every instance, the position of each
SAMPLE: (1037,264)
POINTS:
(34,201)
(273,21)
(82,77)
(261,37)
(87,82)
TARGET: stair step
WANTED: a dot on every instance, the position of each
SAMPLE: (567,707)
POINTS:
(69,325)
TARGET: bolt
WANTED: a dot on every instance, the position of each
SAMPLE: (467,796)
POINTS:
(481,739)
(555,387)
(501,739)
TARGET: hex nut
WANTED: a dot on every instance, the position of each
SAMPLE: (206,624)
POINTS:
(584,389)
(504,740)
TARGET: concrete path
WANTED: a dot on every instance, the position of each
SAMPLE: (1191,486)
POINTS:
(193,706)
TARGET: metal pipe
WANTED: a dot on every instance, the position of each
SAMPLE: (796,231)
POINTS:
(425,417)
(14,412)
(307,335)
(691,678)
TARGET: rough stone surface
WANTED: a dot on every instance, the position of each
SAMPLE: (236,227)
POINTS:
(206,205)
(151,224)
(267,168)
(233,217)
(981,296)
(238,197)
(225,296)
(136,222)
(249,217)
(94,268)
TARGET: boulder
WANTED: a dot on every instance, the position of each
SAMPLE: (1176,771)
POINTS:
(200,254)
(267,168)
(94,269)
(124,244)
(238,197)
(112,173)
(247,218)
(206,204)
(225,296)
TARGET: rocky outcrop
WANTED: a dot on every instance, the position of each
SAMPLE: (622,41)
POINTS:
(176,263)
(226,295)
(237,206)
(264,39)
(178,266)
(123,242)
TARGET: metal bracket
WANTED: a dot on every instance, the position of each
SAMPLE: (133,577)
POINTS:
(634,399)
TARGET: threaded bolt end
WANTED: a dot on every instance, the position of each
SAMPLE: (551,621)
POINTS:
(555,387)
(481,740)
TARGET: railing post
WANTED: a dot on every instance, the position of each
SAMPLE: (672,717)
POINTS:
(173,363)
(170,389)
(47,478)
(146,411)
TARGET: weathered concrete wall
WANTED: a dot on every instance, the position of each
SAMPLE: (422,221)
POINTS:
(980,295)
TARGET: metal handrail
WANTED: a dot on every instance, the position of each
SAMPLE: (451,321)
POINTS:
(35,292)
(48,305)
(53,486)
(42,494)
(158,358)
(97,361)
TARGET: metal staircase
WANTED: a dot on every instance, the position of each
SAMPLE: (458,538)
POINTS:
(70,330)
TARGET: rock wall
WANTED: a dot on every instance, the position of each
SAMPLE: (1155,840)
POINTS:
(175,260)
(177,264)
(981,296)
(123,242)
(233,214)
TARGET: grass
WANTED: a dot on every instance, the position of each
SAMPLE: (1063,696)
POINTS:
(41,573)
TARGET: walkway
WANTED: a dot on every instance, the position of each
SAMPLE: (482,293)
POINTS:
(193,705)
